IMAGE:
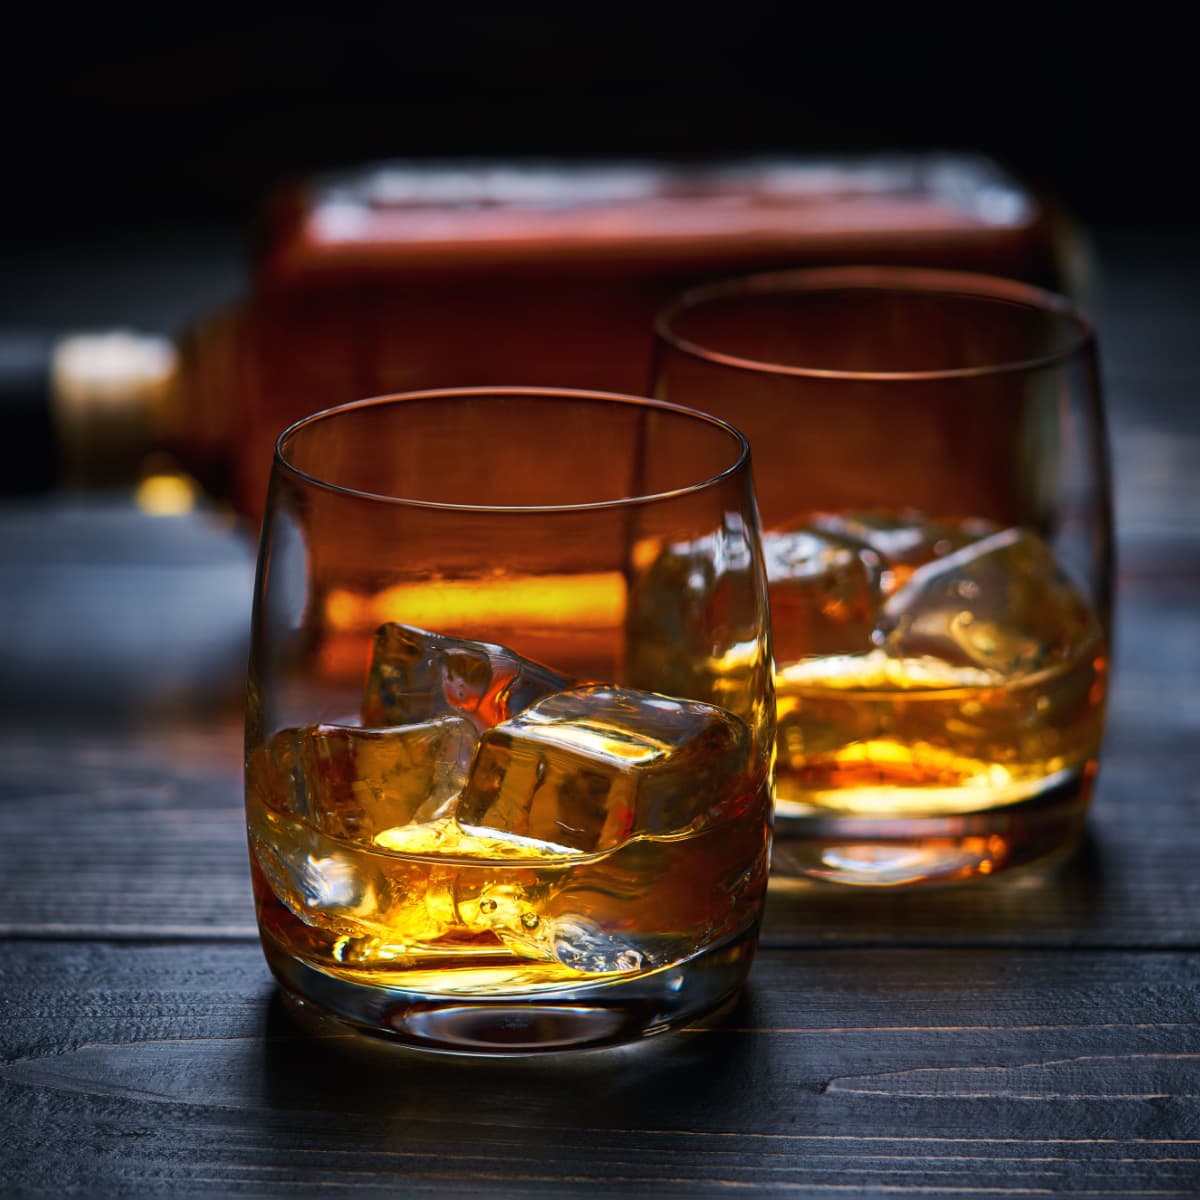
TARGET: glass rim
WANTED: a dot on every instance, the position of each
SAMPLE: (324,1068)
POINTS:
(741,459)
(877,278)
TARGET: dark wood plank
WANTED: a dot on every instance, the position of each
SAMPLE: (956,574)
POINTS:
(177,1069)
(1147,303)
(111,615)
(1154,702)
(1145,297)
(1155,437)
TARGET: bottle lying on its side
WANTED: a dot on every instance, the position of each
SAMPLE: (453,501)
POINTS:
(407,276)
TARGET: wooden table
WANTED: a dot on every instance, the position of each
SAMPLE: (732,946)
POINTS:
(1018,1038)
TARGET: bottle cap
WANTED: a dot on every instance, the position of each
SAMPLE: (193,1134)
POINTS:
(109,392)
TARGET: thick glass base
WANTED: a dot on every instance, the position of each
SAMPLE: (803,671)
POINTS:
(907,851)
(571,1017)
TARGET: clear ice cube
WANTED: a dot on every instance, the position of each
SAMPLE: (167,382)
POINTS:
(578,943)
(416,675)
(670,638)
(321,887)
(902,541)
(1002,604)
(274,778)
(824,592)
(695,624)
(589,768)
(354,894)
(353,783)
(537,917)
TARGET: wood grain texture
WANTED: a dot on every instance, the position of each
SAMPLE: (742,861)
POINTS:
(178,1069)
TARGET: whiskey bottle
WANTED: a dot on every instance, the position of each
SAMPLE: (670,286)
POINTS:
(406,276)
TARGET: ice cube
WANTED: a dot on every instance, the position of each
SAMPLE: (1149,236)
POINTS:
(824,593)
(323,887)
(587,946)
(589,768)
(903,541)
(670,639)
(1002,604)
(416,675)
(534,916)
(695,623)
(578,943)
(355,783)
(372,900)
(274,777)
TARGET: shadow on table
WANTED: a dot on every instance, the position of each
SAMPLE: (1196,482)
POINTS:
(683,1079)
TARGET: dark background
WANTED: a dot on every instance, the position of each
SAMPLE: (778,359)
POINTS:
(186,118)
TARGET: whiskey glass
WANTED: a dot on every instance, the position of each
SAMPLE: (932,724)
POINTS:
(932,471)
(479,819)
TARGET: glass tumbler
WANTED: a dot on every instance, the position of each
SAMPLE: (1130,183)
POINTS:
(480,819)
(931,466)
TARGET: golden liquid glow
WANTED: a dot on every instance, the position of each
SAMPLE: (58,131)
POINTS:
(868,734)
(166,494)
(939,691)
(454,911)
(574,621)
(594,600)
